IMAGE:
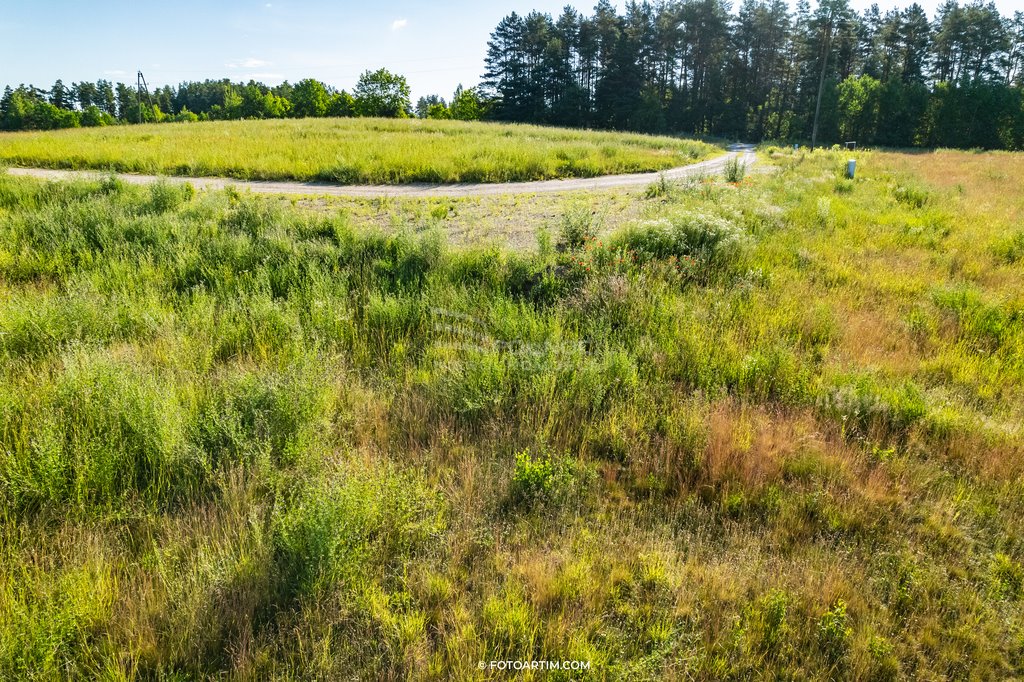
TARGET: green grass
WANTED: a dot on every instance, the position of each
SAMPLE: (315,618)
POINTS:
(771,428)
(356,151)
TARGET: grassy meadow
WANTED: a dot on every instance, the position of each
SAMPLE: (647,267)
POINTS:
(766,429)
(352,150)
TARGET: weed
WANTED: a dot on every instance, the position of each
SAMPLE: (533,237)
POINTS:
(735,170)
(579,225)
(546,481)
(834,633)
(662,188)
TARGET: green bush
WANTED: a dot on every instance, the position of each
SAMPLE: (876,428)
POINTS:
(277,416)
(167,196)
(865,406)
(911,196)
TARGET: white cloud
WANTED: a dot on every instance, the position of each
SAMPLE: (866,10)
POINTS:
(399,24)
(250,63)
(114,72)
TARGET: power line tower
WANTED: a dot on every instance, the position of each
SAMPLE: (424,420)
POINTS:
(140,87)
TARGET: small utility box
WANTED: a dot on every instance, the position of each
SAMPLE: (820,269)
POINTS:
(851,168)
(851,146)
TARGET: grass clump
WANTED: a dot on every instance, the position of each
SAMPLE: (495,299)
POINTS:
(735,170)
(700,246)
(579,225)
(546,481)
(340,530)
(101,434)
(1010,250)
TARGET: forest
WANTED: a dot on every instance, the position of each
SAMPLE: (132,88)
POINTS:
(892,78)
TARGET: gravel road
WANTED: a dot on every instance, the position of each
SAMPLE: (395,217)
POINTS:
(710,167)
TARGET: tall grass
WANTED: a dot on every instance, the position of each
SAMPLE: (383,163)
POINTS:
(766,430)
(378,151)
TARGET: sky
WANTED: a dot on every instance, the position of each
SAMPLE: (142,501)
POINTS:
(436,45)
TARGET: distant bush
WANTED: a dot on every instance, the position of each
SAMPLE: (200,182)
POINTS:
(92,117)
(184,116)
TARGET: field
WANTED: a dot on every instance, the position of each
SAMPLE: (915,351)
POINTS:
(765,429)
(355,151)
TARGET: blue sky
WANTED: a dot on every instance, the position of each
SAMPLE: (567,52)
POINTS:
(436,45)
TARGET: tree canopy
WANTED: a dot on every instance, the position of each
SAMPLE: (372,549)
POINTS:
(692,66)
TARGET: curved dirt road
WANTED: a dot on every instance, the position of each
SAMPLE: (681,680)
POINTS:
(709,167)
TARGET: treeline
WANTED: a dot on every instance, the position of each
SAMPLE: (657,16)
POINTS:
(893,78)
(378,93)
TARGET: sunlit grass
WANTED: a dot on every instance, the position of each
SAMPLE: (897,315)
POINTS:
(361,150)
(770,428)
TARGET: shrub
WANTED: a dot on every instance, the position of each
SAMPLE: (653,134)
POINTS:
(280,416)
(167,196)
(477,387)
(105,433)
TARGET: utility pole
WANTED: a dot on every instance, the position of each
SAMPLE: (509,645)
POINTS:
(140,85)
(821,79)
